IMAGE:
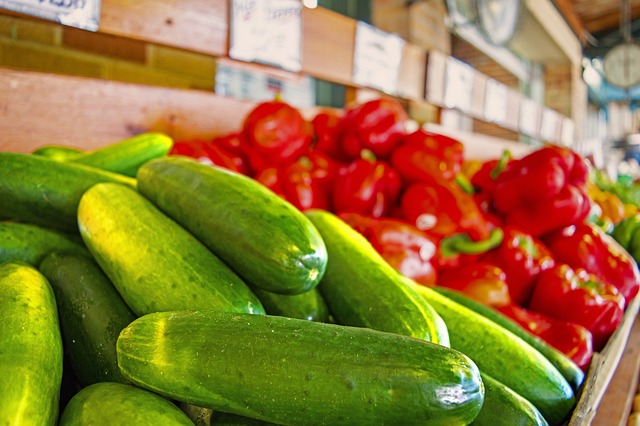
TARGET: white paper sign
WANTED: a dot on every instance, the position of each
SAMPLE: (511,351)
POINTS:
(268,32)
(458,85)
(529,117)
(549,127)
(495,102)
(377,57)
(84,14)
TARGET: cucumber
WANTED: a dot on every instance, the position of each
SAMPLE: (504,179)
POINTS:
(46,192)
(28,243)
(112,403)
(30,348)
(566,367)
(363,290)
(504,356)
(265,239)
(126,156)
(154,263)
(228,419)
(503,407)
(57,152)
(91,313)
(297,372)
(308,305)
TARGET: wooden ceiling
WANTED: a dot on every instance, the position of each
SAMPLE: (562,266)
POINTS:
(597,22)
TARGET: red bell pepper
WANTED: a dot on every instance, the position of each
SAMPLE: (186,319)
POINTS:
(543,191)
(572,339)
(587,246)
(422,156)
(484,179)
(459,250)
(577,296)
(482,281)
(406,248)
(229,151)
(442,208)
(325,128)
(376,125)
(193,148)
(276,133)
(367,186)
(305,182)
(522,257)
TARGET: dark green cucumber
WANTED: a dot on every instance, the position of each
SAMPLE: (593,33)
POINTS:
(308,305)
(503,407)
(57,152)
(126,156)
(46,192)
(111,403)
(504,356)
(30,347)
(228,419)
(154,263)
(92,315)
(266,240)
(28,243)
(291,371)
(362,290)
(566,367)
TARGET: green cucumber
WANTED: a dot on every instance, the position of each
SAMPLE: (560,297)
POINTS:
(228,419)
(566,367)
(30,347)
(363,290)
(154,263)
(112,403)
(46,192)
(504,356)
(24,242)
(57,152)
(92,315)
(126,156)
(291,371)
(503,407)
(265,239)
(308,305)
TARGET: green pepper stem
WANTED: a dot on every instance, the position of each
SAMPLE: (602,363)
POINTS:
(465,184)
(501,165)
(463,244)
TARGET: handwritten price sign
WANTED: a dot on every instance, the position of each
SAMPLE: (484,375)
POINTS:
(83,14)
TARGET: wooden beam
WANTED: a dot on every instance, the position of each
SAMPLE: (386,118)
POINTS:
(565,7)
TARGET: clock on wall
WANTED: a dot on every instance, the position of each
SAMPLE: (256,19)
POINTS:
(461,12)
(498,19)
(622,65)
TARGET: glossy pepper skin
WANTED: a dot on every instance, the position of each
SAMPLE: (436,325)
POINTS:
(376,125)
(367,186)
(572,339)
(577,296)
(587,246)
(276,133)
(325,129)
(422,156)
(406,248)
(224,151)
(443,209)
(482,281)
(305,182)
(543,191)
(522,257)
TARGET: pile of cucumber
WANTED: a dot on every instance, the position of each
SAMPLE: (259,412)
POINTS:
(140,288)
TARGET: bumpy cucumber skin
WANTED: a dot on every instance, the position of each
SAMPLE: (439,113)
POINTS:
(23,242)
(504,356)
(308,305)
(154,263)
(265,239)
(92,314)
(363,290)
(566,367)
(57,152)
(112,403)
(46,192)
(126,156)
(298,372)
(503,407)
(31,348)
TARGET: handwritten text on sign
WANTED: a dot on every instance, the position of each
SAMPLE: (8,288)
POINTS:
(83,14)
(377,57)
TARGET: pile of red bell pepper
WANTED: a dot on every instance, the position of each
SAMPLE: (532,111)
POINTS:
(515,234)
